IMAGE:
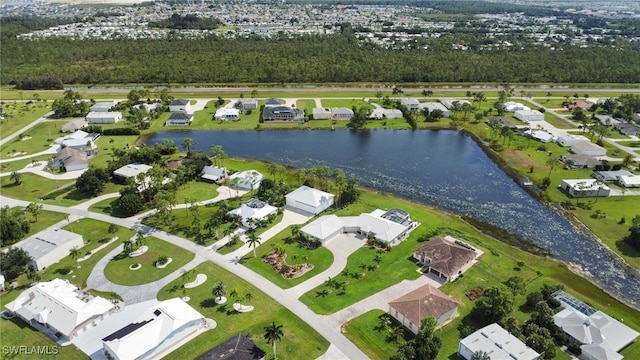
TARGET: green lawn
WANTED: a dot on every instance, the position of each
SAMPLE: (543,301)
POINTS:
(633,144)
(557,121)
(306,105)
(19,115)
(199,190)
(117,270)
(375,341)
(16,332)
(299,338)
(348,103)
(36,139)
(32,187)
(12,166)
(321,258)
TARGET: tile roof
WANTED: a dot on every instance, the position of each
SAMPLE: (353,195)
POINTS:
(446,257)
(423,302)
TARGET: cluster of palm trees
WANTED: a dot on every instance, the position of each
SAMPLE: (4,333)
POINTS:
(129,246)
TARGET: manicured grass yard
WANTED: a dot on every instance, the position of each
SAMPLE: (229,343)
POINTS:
(365,332)
(32,188)
(321,258)
(20,115)
(299,340)
(117,270)
(16,332)
(348,103)
(21,164)
(42,136)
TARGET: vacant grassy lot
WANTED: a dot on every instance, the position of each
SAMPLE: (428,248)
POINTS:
(34,140)
(118,271)
(321,258)
(299,338)
(19,115)
(32,188)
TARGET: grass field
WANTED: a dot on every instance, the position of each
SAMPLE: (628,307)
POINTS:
(299,338)
(36,139)
(19,115)
(118,271)
(377,342)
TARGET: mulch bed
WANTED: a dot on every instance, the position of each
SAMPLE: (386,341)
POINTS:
(475,293)
(287,271)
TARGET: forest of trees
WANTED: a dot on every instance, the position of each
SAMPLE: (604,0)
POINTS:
(188,21)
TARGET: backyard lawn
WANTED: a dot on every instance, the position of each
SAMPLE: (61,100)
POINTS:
(118,271)
(373,339)
(299,338)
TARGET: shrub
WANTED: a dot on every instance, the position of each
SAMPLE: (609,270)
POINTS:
(162,259)
(121,131)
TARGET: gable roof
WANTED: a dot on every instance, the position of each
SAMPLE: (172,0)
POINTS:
(59,304)
(238,347)
(581,159)
(309,196)
(132,170)
(67,156)
(446,257)
(426,301)
(180,117)
(213,172)
(498,343)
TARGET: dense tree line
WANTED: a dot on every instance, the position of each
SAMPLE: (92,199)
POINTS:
(308,59)
(188,21)
(13,225)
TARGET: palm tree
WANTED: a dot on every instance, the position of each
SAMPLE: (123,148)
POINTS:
(397,332)
(187,144)
(218,290)
(248,297)
(74,252)
(16,177)
(253,240)
(234,294)
(127,246)
(273,334)
(377,259)
(480,355)
(295,231)
(427,93)
(140,238)
(551,161)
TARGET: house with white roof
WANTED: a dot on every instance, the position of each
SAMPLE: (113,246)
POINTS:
(49,246)
(79,140)
(180,105)
(512,106)
(341,113)
(410,103)
(321,113)
(308,199)
(434,106)
(104,106)
(110,117)
(251,211)
(588,148)
(540,135)
(214,174)
(247,180)
(179,119)
(381,113)
(131,170)
(528,115)
(631,181)
(57,307)
(225,114)
(585,188)
(569,139)
(497,342)
(154,332)
(580,161)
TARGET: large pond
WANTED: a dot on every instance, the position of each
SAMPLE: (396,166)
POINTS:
(440,168)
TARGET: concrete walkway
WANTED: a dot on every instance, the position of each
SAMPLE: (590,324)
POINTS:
(53,149)
(85,205)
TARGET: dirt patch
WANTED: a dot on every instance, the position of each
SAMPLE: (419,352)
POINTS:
(25,138)
(475,293)
(17,153)
(279,265)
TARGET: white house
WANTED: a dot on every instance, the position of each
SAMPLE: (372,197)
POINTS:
(102,106)
(324,228)
(610,175)
(247,180)
(69,159)
(568,139)
(540,135)
(131,170)
(79,140)
(180,105)
(512,106)
(321,113)
(309,199)
(426,301)
(607,120)
(49,246)
(497,342)
(434,106)
(341,113)
(629,181)
(528,115)
(380,113)
(588,148)
(252,210)
(227,114)
(179,119)
(156,331)
(214,174)
(111,117)
(585,188)
(449,103)
(410,103)
(59,307)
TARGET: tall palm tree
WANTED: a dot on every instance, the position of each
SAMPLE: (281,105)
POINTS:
(273,334)
(16,177)
(219,290)
(248,297)
(140,238)
(127,246)
(74,252)
(253,240)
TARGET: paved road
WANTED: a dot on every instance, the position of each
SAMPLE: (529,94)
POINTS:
(301,310)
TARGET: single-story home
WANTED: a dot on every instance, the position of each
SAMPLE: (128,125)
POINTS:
(611,175)
(585,188)
(111,117)
(79,140)
(49,246)
(632,181)
(248,103)
(148,107)
(308,199)
(540,135)
(179,119)
(512,106)
(131,170)
(434,106)
(104,106)
(410,103)
(426,301)
(607,120)
(448,103)
(580,104)
(390,227)
(601,336)
(248,180)
(580,161)
(341,113)
(447,256)
(214,174)
(58,307)
(157,330)
(282,113)
(253,210)
(73,125)
(321,113)
(273,102)
(628,129)
(227,114)
(238,347)
(569,139)
(380,113)
(588,148)
(180,105)
(528,115)
(497,342)
(69,159)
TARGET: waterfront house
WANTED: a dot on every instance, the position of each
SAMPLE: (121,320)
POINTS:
(341,113)
(282,113)
(225,114)
(528,115)
(585,188)
(434,106)
(446,256)
(251,211)
(179,119)
(308,199)
(247,180)
(497,342)
(321,113)
(410,103)
(214,174)
(580,161)
(426,301)
(248,104)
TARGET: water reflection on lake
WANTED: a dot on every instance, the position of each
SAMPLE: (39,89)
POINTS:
(440,168)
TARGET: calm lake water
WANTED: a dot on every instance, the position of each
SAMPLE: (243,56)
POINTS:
(440,168)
